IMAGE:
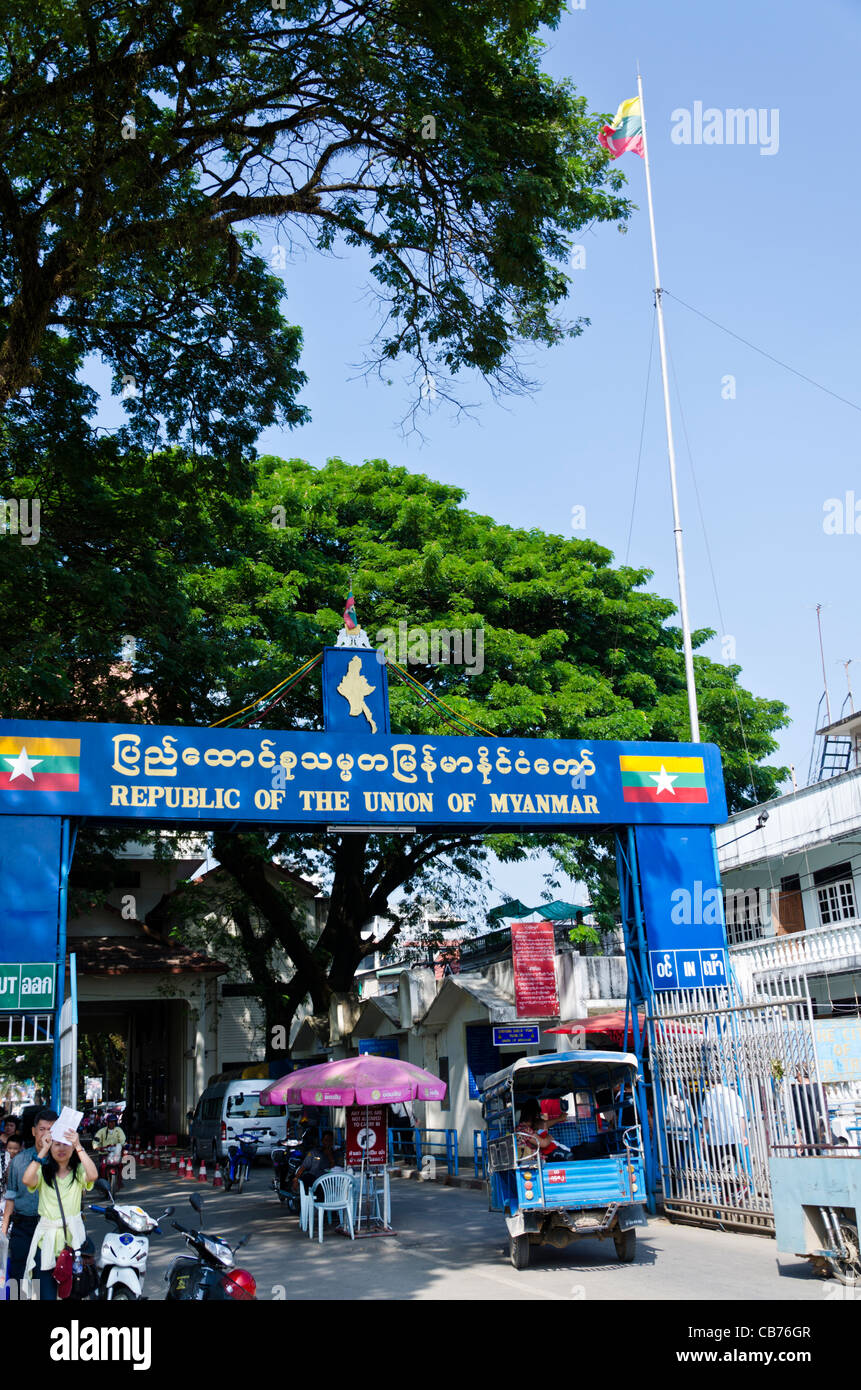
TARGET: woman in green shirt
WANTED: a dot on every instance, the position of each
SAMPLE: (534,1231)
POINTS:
(65,1169)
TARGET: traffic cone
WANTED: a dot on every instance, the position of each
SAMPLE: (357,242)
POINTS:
(180,1171)
(144,1159)
(218,1180)
(189,1170)
(173,1162)
(201,1177)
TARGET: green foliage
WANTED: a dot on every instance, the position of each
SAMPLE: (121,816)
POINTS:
(139,143)
(226,593)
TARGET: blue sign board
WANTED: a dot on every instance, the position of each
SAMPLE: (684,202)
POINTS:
(379,1047)
(683,906)
(355,691)
(524,1035)
(152,775)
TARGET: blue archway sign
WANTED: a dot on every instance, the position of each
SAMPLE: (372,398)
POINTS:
(663,800)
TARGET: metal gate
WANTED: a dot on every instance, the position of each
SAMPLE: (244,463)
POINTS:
(732,1079)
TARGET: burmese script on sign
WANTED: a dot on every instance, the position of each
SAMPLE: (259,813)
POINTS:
(295,777)
(533,948)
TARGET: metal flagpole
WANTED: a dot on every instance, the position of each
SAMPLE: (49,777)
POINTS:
(671,451)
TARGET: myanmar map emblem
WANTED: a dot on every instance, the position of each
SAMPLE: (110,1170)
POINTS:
(39,764)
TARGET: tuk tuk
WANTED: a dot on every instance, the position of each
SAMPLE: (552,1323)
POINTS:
(580,1175)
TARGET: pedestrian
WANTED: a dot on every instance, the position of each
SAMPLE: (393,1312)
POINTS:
(10,1128)
(21,1210)
(725,1127)
(402,1119)
(316,1163)
(59,1173)
(811,1125)
(8,1151)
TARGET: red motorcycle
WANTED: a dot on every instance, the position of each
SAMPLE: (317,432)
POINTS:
(111,1168)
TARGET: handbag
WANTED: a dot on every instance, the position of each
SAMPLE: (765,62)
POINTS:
(64,1265)
(72,1284)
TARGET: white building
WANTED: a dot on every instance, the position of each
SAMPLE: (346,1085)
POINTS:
(791,872)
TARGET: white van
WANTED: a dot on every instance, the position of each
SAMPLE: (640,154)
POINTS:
(225,1109)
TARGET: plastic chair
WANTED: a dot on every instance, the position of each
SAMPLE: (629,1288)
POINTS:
(306,1202)
(337,1189)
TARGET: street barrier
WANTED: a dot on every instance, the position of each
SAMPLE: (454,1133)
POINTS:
(419,1148)
(479,1153)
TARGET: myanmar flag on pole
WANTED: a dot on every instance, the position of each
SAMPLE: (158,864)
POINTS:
(39,764)
(662,780)
(626,131)
(351,622)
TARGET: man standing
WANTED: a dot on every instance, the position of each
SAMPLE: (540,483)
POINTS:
(22,1205)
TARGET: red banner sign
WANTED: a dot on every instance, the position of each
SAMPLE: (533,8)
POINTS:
(366,1135)
(533,949)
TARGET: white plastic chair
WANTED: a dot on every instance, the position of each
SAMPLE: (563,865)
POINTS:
(337,1189)
(305,1205)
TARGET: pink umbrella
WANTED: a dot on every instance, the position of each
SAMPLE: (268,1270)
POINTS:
(364,1080)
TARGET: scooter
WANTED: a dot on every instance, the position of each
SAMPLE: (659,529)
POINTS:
(123,1257)
(286,1160)
(210,1273)
(241,1153)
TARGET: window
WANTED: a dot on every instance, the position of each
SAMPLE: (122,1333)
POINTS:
(835,892)
(836,902)
(742,912)
(442,1071)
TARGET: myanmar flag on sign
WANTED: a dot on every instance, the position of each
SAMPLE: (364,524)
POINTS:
(39,764)
(626,131)
(663,780)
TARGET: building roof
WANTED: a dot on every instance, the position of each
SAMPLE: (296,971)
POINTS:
(821,814)
(386,1004)
(843,726)
(499,1007)
(145,953)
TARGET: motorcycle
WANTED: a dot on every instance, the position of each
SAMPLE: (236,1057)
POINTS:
(241,1153)
(110,1168)
(210,1273)
(286,1160)
(123,1257)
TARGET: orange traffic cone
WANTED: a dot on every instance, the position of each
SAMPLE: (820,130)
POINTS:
(218,1180)
(189,1170)
(144,1159)
(173,1162)
(180,1172)
(201,1177)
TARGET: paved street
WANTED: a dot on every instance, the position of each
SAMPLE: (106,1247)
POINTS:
(448,1246)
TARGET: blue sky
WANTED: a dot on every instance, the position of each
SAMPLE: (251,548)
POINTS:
(767,245)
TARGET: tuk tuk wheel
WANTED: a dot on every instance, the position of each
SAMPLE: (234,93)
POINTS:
(518,1251)
(626,1245)
(848,1271)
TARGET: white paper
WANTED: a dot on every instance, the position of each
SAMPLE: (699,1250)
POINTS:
(69,1119)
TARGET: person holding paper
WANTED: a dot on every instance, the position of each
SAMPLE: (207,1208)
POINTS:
(61,1172)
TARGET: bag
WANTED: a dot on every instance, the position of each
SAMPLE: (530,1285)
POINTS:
(63,1271)
(69,1283)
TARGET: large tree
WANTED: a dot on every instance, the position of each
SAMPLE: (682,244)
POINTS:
(218,595)
(141,139)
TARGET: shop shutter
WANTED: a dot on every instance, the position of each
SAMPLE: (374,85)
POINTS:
(241,1031)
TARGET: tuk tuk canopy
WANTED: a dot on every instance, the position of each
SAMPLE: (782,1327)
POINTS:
(559,1072)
